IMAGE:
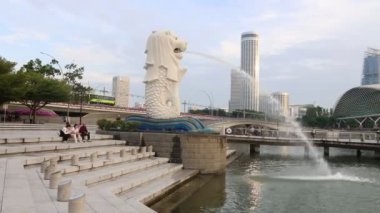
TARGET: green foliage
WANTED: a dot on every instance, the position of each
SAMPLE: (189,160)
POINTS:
(6,67)
(117,125)
(207,111)
(36,66)
(7,80)
(318,117)
(37,87)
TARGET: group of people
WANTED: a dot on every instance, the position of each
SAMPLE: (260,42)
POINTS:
(78,132)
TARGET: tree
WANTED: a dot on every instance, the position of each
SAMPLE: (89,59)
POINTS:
(318,117)
(47,70)
(6,80)
(37,91)
(79,92)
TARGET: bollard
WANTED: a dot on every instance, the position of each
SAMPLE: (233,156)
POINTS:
(53,161)
(64,190)
(122,153)
(94,157)
(77,204)
(75,160)
(44,164)
(55,177)
(143,149)
(50,169)
(109,155)
(133,151)
(150,149)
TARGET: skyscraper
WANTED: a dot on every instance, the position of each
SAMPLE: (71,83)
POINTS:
(250,65)
(120,90)
(371,67)
(283,103)
(236,91)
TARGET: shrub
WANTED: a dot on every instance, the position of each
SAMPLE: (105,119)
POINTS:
(117,125)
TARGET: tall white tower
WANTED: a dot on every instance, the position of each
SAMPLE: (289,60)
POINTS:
(120,90)
(250,65)
(283,102)
(236,91)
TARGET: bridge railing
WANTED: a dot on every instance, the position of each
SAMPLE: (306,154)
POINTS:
(318,135)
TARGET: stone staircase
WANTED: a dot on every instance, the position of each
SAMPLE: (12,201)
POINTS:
(105,173)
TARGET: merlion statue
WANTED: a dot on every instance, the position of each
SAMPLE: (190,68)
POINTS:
(163,74)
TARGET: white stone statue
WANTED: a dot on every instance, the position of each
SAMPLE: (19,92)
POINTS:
(163,74)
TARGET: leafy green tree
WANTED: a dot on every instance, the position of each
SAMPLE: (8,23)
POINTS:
(318,117)
(7,80)
(47,70)
(37,91)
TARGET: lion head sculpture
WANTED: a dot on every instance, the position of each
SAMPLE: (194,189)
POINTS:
(163,74)
(164,49)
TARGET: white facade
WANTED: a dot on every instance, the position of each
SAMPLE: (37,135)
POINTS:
(283,102)
(120,90)
(236,91)
(250,65)
(298,111)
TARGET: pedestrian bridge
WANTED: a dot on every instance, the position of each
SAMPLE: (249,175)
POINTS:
(326,139)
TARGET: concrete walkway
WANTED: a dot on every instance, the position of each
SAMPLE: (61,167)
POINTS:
(118,179)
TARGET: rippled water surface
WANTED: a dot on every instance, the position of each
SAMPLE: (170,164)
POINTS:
(282,180)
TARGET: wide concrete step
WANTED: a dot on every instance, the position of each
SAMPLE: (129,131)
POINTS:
(64,156)
(100,175)
(128,182)
(16,194)
(156,188)
(19,149)
(88,165)
(34,140)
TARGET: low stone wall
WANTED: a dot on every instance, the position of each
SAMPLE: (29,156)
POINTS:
(204,152)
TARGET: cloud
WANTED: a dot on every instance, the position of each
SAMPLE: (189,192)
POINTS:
(22,35)
(88,54)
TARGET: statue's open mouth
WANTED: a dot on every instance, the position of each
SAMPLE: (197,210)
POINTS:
(177,50)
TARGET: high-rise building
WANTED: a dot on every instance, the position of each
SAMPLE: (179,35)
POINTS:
(266,104)
(283,102)
(236,91)
(120,90)
(298,111)
(371,67)
(250,65)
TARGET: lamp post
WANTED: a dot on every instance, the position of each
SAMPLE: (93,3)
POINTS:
(80,109)
(60,69)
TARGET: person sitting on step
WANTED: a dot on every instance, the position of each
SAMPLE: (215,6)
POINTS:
(84,132)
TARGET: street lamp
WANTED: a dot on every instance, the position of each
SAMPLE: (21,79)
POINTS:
(60,69)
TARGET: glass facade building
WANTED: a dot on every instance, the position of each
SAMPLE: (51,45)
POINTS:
(371,67)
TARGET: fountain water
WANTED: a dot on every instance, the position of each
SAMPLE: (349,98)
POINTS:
(322,164)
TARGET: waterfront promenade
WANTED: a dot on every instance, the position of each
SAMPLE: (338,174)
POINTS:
(39,173)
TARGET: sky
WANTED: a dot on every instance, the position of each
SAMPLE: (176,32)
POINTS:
(312,49)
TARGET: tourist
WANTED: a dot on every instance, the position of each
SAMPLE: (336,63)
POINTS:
(77,134)
(84,132)
(66,132)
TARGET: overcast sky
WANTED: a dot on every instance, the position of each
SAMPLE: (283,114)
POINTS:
(312,49)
